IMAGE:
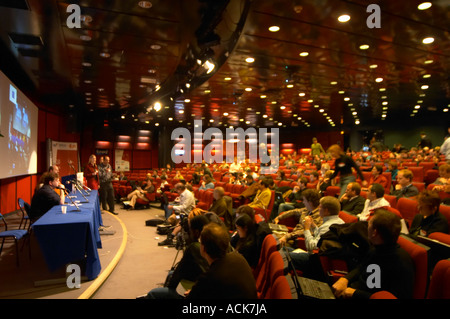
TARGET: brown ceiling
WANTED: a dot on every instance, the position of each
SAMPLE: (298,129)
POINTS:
(163,42)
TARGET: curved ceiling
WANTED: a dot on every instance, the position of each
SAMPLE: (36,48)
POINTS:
(313,73)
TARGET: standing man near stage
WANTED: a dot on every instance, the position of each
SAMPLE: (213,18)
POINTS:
(106,188)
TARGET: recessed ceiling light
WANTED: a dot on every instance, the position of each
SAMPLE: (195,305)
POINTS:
(310,101)
(274,28)
(333,82)
(424,5)
(428,40)
(364,46)
(426,76)
(263,96)
(378,80)
(445,110)
(289,86)
(248,89)
(382,89)
(86,64)
(145,4)
(373,66)
(249,60)
(344,18)
(304,53)
(428,61)
(301,94)
(424,87)
(187,101)
(155,47)
(225,114)
(227,79)
(346,99)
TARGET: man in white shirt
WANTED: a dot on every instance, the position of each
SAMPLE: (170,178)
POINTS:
(375,199)
(329,208)
(235,167)
(183,204)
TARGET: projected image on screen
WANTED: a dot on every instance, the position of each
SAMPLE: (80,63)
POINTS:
(18,125)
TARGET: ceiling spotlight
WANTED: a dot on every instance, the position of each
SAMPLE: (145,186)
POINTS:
(378,80)
(304,53)
(424,5)
(225,114)
(274,28)
(157,106)
(187,101)
(424,87)
(364,46)
(373,66)
(426,76)
(301,94)
(249,60)
(227,79)
(428,40)
(344,18)
(209,66)
(263,96)
(290,86)
(428,61)
(346,99)
(248,89)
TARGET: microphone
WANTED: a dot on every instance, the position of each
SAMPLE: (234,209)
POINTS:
(63,189)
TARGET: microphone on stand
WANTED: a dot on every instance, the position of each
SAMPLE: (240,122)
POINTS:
(75,183)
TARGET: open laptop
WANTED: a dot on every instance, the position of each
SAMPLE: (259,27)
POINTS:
(306,287)
(278,227)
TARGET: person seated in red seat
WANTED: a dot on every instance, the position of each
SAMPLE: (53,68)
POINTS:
(395,264)
(314,177)
(404,187)
(375,199)
(429,219)
(377,177)
(207,183)
(352,202)
(444,175)
(140,191)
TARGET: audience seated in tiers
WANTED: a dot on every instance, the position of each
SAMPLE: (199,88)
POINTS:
(140,191)
(376,177)
(375,199)
(263,195)
(207,183)
(311,199)
(329,208)
(343,167)
(396,266)
(352,202)
(229,276)
(189,268)
(404,187)
(294,197)
(429,219)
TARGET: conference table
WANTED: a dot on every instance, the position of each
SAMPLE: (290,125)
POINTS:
(74,236)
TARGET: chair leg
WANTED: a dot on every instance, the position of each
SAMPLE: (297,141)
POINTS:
(17,252)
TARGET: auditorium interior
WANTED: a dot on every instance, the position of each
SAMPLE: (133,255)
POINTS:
(123,78)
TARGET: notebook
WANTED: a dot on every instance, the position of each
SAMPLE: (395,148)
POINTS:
(278,227)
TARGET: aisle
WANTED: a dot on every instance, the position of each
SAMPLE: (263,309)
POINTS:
(144,264)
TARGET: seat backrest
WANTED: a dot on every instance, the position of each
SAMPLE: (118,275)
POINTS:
(347,218)
(419,255)
(391,199)
(440,281)
(420,185)
(333,190)
(408,208)
(268,246)
(285,183)
(445,210)
(271,203)
(395,211)
(418,173)
(275,268)
(280,289)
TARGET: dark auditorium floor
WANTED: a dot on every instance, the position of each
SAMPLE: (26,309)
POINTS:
(143,265)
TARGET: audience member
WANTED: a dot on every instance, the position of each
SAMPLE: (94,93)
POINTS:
(263,195)
(444,175)
(146,188)
(393,169)
(329,208)
(247,242)
(207,183)
(311,199)
(445,149)
(229,276)
(375,199)
(404,187)
(424,141)
(316,148)
(429,219)
(352,202)
(295,197)
(397,267)
(377,177)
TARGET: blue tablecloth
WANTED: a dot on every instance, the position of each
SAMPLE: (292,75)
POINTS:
(72,237)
